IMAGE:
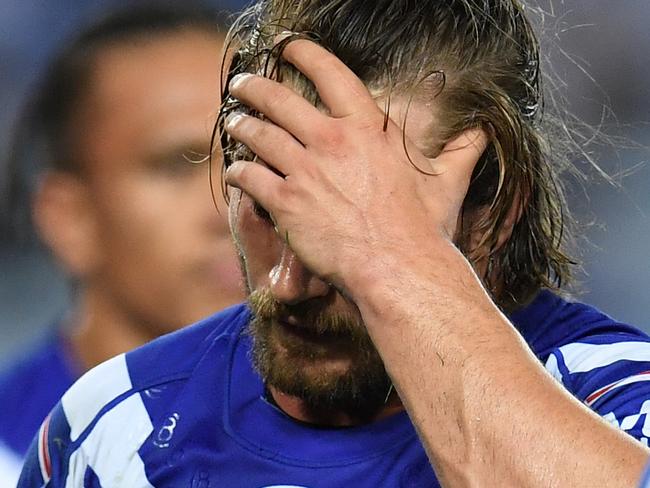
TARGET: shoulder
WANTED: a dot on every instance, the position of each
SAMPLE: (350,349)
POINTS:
(27,368)
(167,359)
(601,361)
(29,388)
(84,434)
(175,355)
(551,322)
(575,339)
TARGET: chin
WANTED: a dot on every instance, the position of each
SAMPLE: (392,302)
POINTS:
(325,379)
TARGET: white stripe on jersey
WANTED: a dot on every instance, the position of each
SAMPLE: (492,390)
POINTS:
(581,358)
(111,448)
(44,451)
(96,388)
(552,367)
(10,465)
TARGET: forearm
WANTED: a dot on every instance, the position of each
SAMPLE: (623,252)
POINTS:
(344,193)
(487,412)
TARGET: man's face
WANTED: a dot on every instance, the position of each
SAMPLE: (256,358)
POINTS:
(165,256)
(309,340)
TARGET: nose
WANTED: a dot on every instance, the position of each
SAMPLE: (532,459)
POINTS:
(292,283)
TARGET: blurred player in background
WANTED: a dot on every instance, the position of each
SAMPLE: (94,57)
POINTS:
(123,112)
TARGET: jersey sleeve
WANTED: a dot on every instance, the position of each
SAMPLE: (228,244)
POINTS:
(611,375)
(45,464)
(92,436)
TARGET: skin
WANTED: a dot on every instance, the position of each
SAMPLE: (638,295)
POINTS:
(137,228)
(459,367)
(271,265)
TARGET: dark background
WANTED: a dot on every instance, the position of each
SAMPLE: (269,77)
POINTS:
(601,51)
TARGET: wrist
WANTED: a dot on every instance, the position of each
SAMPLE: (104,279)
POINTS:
(396,278)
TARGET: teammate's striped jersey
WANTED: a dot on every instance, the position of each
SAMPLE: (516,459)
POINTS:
(29,388)
(188,410)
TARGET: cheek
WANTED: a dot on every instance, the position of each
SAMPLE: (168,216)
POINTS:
(139,223)
(257,242)
(136,220)
(233,208)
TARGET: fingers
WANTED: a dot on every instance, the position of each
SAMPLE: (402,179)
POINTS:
(280,104)
(268,141)
(339,88)
(257,181)
(342,92)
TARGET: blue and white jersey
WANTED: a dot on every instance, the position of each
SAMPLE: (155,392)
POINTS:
(189,410)
(29,388)
(645,478)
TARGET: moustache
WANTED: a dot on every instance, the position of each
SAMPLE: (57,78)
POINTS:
(316,317)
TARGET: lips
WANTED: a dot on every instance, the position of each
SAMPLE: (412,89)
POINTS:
(294,328)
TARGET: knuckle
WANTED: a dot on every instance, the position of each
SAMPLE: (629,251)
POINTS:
(256,135)
(248,174)
(278,200)
(241,173)
(290,188)
(259,130)
(332,137)
(238,126)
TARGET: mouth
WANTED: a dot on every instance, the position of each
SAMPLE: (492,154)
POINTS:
(307,347)
(291,327)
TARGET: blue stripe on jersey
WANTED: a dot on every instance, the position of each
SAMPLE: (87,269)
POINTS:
(586,378)
(58,439)
(618,389)
(550,322)
(90,479)
(559,329)
(210,424)
(57,442)
(30,476)
(106,408)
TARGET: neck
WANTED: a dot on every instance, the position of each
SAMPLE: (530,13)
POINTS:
(298,409)
(100,330)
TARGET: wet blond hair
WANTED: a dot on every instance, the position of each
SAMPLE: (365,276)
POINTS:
(479,60)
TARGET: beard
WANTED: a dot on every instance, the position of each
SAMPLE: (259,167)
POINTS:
(330,362)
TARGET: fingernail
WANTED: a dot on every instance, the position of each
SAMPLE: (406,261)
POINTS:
(233,119)
(238,80)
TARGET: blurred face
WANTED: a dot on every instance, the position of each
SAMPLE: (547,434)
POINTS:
(165,257)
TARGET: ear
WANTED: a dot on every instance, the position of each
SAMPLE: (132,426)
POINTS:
(505,230)
(512,217)
(64,218)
